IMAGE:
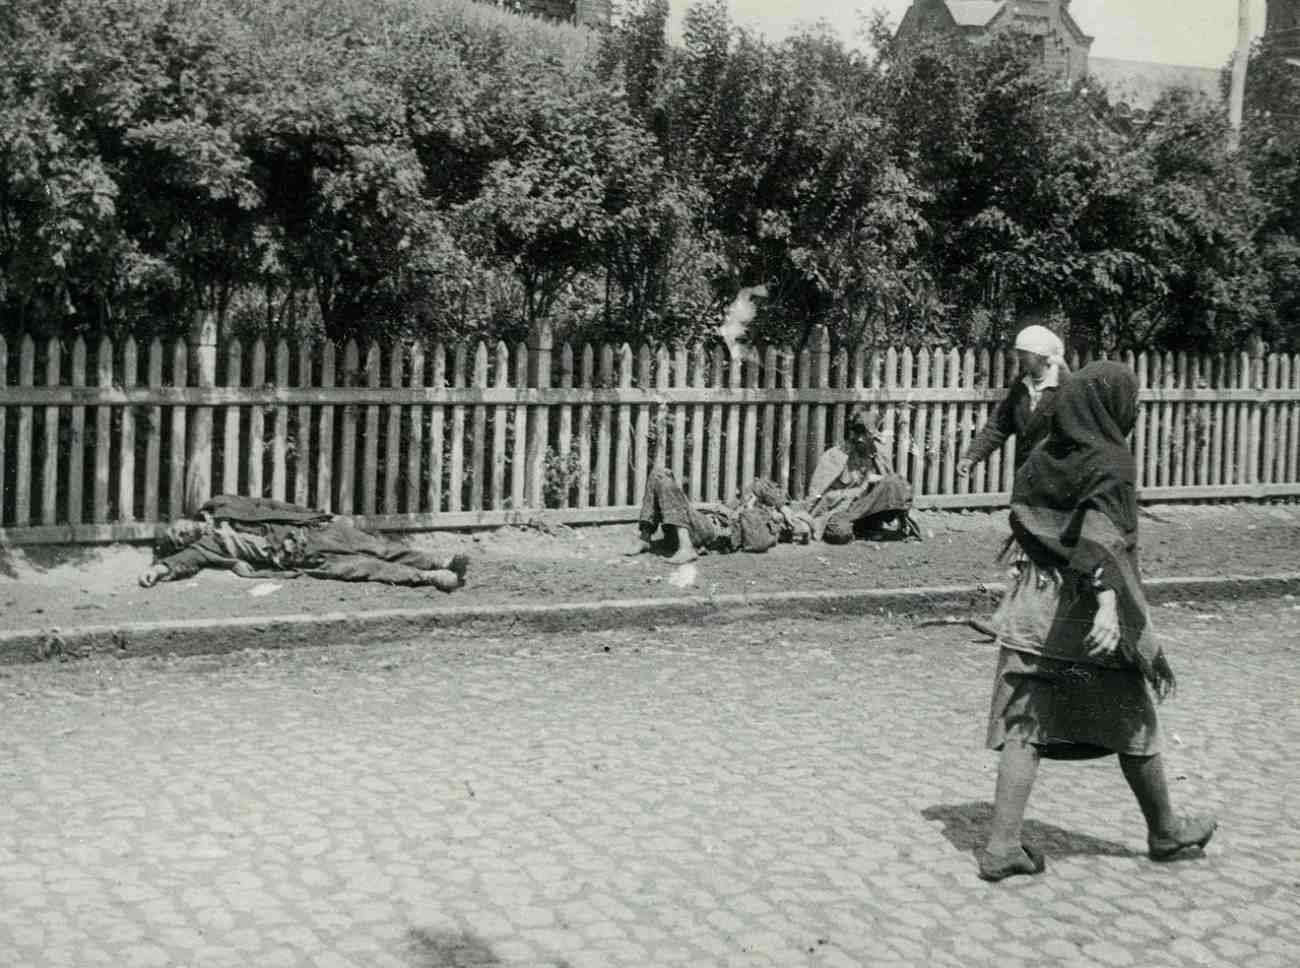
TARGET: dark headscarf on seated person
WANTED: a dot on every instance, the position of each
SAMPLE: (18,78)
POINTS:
(1074,503)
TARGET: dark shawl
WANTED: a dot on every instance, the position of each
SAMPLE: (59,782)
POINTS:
(1074,504)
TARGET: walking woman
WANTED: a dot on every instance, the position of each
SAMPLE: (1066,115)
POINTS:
(1079,673)
(1026,411)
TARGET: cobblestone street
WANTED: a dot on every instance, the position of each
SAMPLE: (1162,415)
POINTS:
(775,794)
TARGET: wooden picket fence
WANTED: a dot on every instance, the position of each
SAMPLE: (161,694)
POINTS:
(104,445)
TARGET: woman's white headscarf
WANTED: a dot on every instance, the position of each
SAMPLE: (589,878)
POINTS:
(1045,343)
(1041,340)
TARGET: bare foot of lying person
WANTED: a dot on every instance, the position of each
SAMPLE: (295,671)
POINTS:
(642,547)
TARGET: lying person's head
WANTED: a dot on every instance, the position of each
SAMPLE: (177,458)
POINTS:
(182,533)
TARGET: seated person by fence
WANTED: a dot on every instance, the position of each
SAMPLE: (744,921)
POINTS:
(258,538)
(760,518)
(854,491)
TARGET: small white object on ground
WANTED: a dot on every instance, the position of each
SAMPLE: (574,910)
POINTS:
(264,588)
(684,577)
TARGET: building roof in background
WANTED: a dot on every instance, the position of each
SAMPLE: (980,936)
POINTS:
(974,13)
(1139,84)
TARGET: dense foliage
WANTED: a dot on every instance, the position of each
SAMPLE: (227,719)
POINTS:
(440,167)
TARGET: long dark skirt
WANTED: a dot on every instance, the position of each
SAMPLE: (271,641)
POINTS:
(1069,709)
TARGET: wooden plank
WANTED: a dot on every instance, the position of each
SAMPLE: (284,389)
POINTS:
(76,438)
(663,373)
(325,437)
(415,421)
(623,460)
(951,426)
(695,485)
(280,436)
(821,374)
(1168,457)
(23,444)
(767,444)
(256,422)
(367,481)
(1204,376)
(456,460)
(1268,444)
(103,438)
(1293,434)
(680,426)
(1245,412)
(749,468)
(302,436)
(346,472)
(803,423)
(519,448)
(1255,425)
(231,453)
(179,417)
(846,373)
(1011,365)
(564,427)
(905,445)
(270,396)
(965,416)
(478,456)
(126,458)
(438,379)
(731,481)
(1143,419)
(922,449)
(539,418)
(585,429)
(1181,451)
(605,442)
(1218,434)
(50,455)
(713,472)
(984,374)
(393,430)
(501,376)
(642,420)
(153,435)
(199,466)
(785,428)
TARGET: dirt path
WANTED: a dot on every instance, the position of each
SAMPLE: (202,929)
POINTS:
(68,587)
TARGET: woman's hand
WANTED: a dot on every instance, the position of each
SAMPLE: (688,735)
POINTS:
(1105,634)
(964,466)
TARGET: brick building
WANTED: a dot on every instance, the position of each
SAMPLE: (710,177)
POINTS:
(590,13)
(1062,43)
(1067,49)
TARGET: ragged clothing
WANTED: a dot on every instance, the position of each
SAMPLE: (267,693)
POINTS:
(754,522)
(845,496)
(256,538)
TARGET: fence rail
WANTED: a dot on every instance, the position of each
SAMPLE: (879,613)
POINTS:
(103,443)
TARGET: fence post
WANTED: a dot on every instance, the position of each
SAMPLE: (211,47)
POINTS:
(198,471)
(540,343)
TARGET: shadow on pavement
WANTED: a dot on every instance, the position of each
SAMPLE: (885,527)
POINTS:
(431,949)
(965,826)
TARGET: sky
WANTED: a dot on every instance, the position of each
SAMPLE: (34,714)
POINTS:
(1192,32)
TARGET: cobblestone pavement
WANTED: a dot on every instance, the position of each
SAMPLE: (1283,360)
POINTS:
(787,794)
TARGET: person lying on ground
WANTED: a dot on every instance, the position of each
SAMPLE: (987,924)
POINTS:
(1079,671)
(760,518)
(854,491)
(1026,411)
(260,538)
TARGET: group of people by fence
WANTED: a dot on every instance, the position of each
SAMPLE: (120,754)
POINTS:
(1079,672)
